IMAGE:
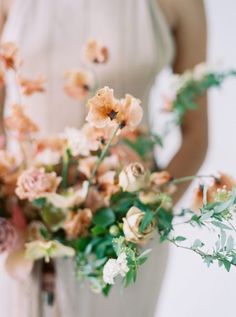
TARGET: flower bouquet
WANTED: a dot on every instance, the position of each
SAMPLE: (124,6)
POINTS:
(93,193)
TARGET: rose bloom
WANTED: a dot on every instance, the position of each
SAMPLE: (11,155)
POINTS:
(96,53)
(134,177)
(31,86)
(131,225)
(34,183)
(9,55)
(19,123)
(79,83)
(77,223)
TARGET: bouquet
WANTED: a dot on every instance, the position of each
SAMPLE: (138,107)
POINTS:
(93,194)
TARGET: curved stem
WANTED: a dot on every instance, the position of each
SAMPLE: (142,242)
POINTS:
(180,180)
(103,153)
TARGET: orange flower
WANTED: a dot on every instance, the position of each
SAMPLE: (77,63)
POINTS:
(223,182)
(77,223)
(130,112)
(51,143)
(105,109)
(96,53)
(32,86)
(19,123)
(34,183)
(9,55)
(79,84)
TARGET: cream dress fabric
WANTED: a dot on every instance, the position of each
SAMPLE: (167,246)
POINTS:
(51,34)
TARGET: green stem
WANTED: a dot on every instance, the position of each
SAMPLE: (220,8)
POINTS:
(65,168)
(103,153)
(185,179)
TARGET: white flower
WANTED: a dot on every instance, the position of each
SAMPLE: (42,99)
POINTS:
(115,267)
(110,271)
(48,157)
(133,177)
(79,143)
(123,264)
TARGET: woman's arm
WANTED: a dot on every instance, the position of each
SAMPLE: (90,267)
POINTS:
(187,19)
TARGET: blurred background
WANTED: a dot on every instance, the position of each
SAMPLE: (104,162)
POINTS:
(190,288)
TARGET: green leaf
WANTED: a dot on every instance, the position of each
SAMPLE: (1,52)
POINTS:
(220,225)
(197,244)
(147,219)
(180,238)
(39,202)
(142,258)
(230,244)
(98,230)
(207,215)
(104,217)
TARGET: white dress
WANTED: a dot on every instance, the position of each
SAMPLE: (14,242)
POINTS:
(51,34)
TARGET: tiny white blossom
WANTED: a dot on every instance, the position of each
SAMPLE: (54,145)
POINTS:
(115,267)
(123,264)
(110,271)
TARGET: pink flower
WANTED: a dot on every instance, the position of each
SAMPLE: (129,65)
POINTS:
(96,53)
(35,183)
(19,124)
(31,86)
(79,83)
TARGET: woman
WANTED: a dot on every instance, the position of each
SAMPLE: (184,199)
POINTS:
(143,36)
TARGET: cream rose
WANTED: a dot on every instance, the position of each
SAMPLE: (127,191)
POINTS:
(133,178)
(131,225)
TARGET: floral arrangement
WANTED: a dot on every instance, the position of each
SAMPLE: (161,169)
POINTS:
(92,194)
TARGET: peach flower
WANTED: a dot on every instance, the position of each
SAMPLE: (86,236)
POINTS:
(103,108)
(79,83)
(160,178)
(130,112)
(9,55)
(34,183)
(53,143)
(131,227)
(223,182)
(31,86)
(96,53)
(19,123)
(77,223)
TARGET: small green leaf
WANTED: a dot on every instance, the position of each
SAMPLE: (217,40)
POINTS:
(104,217)
(197,244)
(147,219)
(180,238)
(220,225)
(230,244)
(39,202)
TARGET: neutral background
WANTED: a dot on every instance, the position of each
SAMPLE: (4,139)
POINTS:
(190,288)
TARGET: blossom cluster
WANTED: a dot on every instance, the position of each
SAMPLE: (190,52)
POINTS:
(87,192)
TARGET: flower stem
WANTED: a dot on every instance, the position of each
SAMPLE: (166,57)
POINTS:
(65,168)
(103,153)
(180,180)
